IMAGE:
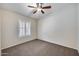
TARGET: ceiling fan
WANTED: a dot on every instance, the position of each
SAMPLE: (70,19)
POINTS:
(39,7)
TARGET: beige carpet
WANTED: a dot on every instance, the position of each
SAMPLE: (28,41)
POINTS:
(39,48)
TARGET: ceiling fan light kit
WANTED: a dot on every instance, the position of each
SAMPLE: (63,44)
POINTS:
(39,7)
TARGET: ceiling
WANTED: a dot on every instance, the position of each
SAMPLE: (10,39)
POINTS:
(24,10)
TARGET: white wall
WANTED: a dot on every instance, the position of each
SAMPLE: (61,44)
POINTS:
(78,28)
(9,29)
(60,28)
(0,31)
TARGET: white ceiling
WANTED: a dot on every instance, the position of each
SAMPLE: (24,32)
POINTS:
(24,10)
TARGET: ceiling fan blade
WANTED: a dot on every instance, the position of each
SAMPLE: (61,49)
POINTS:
(32,6)
(47,7)
(34,11)
(42,11)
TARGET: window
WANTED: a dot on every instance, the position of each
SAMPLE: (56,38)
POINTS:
(24,28)
(28,31)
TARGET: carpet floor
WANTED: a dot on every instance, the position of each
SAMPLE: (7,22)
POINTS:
(39,48)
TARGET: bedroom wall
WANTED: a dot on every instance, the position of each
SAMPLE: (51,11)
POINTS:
(10,30)
(78,28)
(0,31)
(60,27)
